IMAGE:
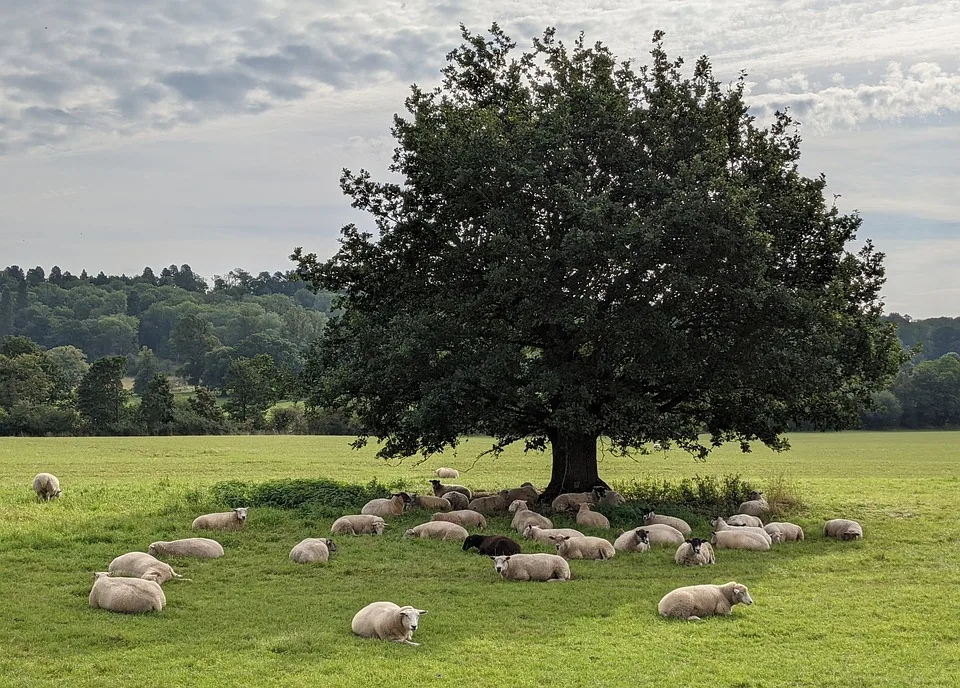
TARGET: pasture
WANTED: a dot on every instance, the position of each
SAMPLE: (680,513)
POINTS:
(880,612)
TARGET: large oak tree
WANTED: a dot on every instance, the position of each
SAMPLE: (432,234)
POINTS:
(575,249)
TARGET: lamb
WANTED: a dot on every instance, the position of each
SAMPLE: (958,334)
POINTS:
(227,520)
(526,492)
(431,503)
(438,530)
(543,534)
(571,501)
(738,539)
(46,486)
(439,489)
(587,517)
(790,532)
(495,504)
(444,472)
(695,552)
(843,529)
(312,550)
(458,500)
(583,547)
(395,505)
(650,518)
(492,545)
(463,517)
(757,506)
(661,534)
(387,621)
(532,567)
(744,520)
(524,517)
(201,548)
(693,601)
(142,565)
(719,524)
(632,541)
(126,595)
(358,524)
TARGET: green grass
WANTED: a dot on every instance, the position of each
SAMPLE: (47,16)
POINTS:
(874,613)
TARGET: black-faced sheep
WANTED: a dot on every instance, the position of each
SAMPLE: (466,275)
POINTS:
(387,621)
(532,567)
(439,489)
(607,497)
(358,524)
(226,520)
(463,517)
(585,547)
(695,601)
(312,551)
(586,516)
(843,529)
(438,530)
(201,548)
(492,545)
(695,552)
(385,507)
(126,595)
(46,486)
(635,540)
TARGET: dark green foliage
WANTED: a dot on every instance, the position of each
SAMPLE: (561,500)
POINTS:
(6,313)
(156,406)
(322,497)
(929,393)
(192,339)
(251,388)
(705,496)
(100,395)
(204,404)
(147,366)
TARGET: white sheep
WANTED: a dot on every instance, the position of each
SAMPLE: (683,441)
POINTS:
(607,497)
(142,565)
(46,486)
(444,472)
(662,534)
(226,520)
(358,524)
(495,504)
(650,518)
(532,567)
(543,534)
(695,552)
(757,506)
(458,500)
(463,517)
(843,529)
(736,538)
(312,550)
(201,548)
(720,524)
(586,516)
(439,489)
(635,540)
(571,501)
(126,595)
(744,520)
(385,507)
(694,601)
(523,517)
(585,547)
(438,530)
(790,532)
(431,503)
(387,621)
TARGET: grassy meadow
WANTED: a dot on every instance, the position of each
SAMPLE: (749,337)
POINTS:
(881,612)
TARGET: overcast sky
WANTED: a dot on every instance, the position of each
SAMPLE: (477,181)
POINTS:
(213,132)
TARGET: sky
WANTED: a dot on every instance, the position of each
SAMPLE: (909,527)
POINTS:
(213,132)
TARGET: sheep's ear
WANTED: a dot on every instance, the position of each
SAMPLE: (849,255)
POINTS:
(422,611)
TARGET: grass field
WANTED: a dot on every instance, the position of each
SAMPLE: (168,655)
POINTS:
(881,612)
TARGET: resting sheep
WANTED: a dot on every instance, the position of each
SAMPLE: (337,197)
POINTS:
(126,595)
(201,548)
(585,547)
(463,517)
(526,492)
(386,507)
(46,486)
(524,517)
(543,535)
(738,539)
(695,552)
(226,520)
(387,621)
(431,503)
(358,524)
(720,524)
(492,545)
(438,530)
(444,472)
(532,567)
(571,501)
(633,541)
(650,518)
(695,601)
(492,505)
(790,532)
(843,529)
(661,534)
(607,497)
(458,500)
(587,517)
(312,550)
(142,565)
(744,520)
(439,489)
(756,506)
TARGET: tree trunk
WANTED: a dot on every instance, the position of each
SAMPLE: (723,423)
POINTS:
(574,464)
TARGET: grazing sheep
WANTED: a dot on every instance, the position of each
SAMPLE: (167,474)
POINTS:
(650,518)
(142,565)
(693,601)
(661,534)
(526,492)
(385,507)
(532,567)
(543,534)
(439,489)
(227,520)
(740,520)
(438,530)
(571,501)
(790,532)
(695,552)
(387,621)
(201,548)
(633,541)
(357,524)
(492,545)
(757,506)
(587,517)
(444,472)
(607,497)
(492,505)
(843,529)
(312,550)
(720,524)
(431,503)
(47,487)
(464,517)
(585,547)
(126,595)
(738,539)
(524,517)
(458,500)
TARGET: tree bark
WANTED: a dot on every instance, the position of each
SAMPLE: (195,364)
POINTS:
(574,464)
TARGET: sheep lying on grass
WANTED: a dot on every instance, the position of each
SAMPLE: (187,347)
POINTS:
(585,547)
(492,545)
(495,504)
(789,532)
(695,552)
(744,520)
(843,529)
(358,524)
(312,551)
(439,489)
(695,601)
(756,506)
(543,535)
(524,517)
(126,595)
(142,565)
(386,507)
(444,472)
(226,520)
(431,503)
(571,501)
(201,548)
(738,539)
(635,540)
(463,517)
(527,492)
(458,501)
(661,534)
(650,518)
(46,487)
(438,530)
(387,621)
(532,567)
(587,517)
(607,497)
(720,524)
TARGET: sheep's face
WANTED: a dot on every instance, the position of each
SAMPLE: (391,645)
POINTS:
(57,493)
(517,505)
(241,513)
(501,564)
(529,532)
(410,617)
(741,595)
(713,539)
(756,496)
(642,537)
(153,550)
(153,575)
(695,544)
(435,483)
(101,574)
(472,541)
(850,535)
(330,546)
(776,536)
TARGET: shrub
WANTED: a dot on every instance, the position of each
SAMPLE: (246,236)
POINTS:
(702,495)
(286,419)
(318,496)
(783,495)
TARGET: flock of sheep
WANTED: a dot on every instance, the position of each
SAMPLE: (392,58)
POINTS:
(132,583)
